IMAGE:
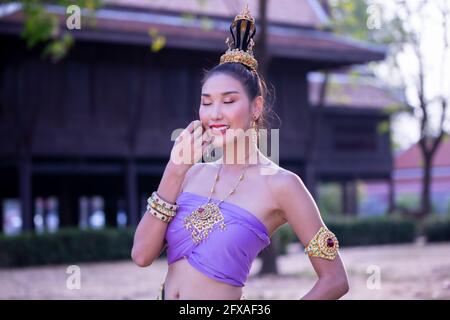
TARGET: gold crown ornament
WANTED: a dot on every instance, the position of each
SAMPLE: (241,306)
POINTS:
(240,48)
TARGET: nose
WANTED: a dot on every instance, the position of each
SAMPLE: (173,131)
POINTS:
(216,112)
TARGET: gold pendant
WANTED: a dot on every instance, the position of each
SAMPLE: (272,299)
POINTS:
(202,220)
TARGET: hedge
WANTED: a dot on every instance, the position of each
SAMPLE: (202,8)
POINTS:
(358,231)
(437,228)
(65,246)
(75,245)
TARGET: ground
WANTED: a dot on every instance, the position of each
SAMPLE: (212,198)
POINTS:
(409,271)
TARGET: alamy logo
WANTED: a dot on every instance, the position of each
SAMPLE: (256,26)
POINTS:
(374,280)
(73,21)
(73,281)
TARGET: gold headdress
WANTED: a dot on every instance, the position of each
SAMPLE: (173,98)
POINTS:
(240,48)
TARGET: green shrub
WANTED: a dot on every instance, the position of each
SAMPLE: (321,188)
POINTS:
(437,228)
(330,198)
(358,231)
(65,246)
(74,245)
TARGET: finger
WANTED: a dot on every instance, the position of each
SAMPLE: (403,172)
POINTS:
(199,142)
(207,134)
(198,134)
(198,150)
(198,131)
(206,147)
(183,135)
(206,138)
(210,136)
(191,126)
(203,137)
(189,133)
(197,124)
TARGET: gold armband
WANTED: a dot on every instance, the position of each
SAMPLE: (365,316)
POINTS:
(323,245)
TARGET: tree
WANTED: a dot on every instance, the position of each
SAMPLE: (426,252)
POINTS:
(409,27)
(42,27)
(404,26)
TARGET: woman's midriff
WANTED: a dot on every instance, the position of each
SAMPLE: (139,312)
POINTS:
(184,282)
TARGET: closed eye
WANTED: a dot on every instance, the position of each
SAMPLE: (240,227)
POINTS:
(226,102)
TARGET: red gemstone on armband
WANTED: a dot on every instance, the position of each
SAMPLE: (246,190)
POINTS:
(201,209)
(330,242)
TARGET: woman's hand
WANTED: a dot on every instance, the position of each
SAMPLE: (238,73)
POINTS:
(190,145)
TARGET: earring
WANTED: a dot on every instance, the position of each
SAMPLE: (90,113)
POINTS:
(254,131)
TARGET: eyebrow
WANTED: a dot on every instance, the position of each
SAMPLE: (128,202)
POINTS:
(223,94)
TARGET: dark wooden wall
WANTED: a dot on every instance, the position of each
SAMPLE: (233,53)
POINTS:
(114,101)
(353,145)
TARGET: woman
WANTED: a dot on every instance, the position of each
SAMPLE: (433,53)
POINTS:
(215,217)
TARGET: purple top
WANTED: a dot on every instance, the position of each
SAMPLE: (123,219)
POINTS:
(224,256)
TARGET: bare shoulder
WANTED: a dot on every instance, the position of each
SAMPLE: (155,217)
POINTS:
(287,188)
(277,178)
(282,180)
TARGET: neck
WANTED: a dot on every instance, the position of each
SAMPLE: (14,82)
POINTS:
(234,160)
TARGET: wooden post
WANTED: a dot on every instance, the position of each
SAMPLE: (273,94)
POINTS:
(344,198)
(353,197)
(349,197)
(64,210)
(391,184)
(1,215)
(25,191)
(111,209)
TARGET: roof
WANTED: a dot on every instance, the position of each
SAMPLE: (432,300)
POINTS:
(131,25)
(412,158)
(305,13)
(356,91)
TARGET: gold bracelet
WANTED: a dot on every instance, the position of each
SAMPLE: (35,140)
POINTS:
(165,204)
(323,245)
(153,204)
(159,215)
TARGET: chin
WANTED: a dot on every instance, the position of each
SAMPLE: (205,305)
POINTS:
(227,140)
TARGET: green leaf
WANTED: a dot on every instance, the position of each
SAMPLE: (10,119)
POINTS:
(383,127)
(206,23)
(158,43)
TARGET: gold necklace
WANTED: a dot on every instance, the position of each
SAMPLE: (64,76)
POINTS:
(206,216)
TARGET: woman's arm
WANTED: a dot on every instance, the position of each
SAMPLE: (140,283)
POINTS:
(300,210)
(150,233)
